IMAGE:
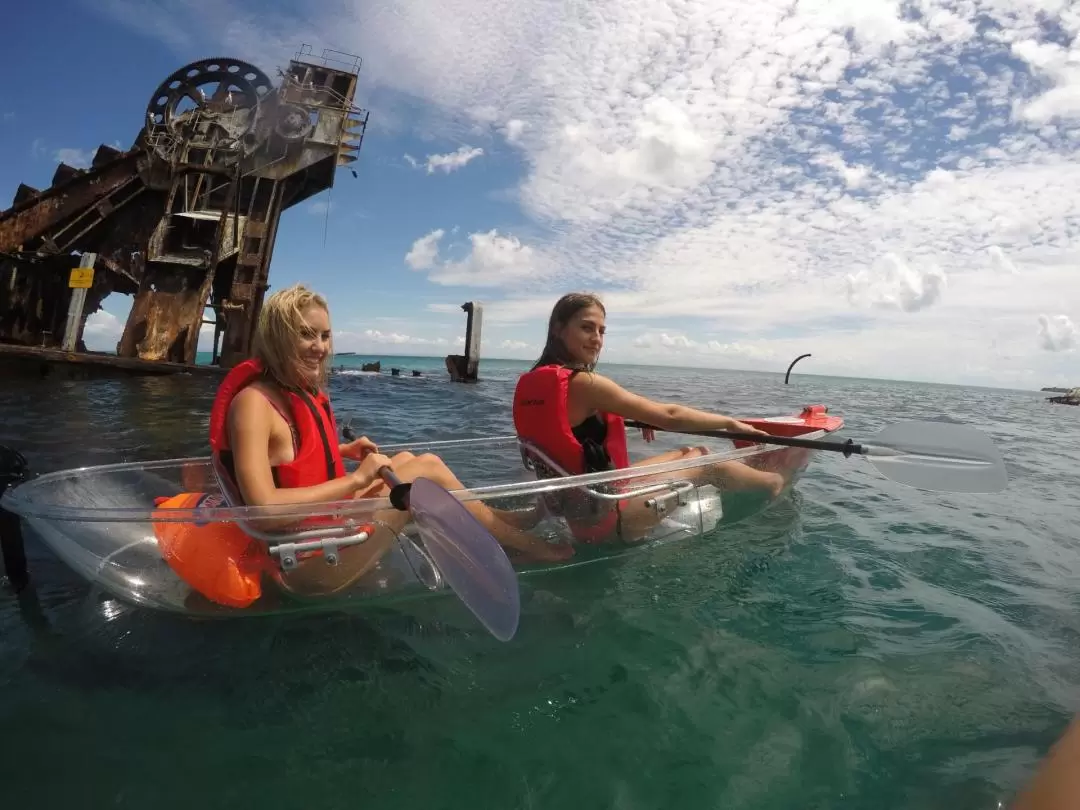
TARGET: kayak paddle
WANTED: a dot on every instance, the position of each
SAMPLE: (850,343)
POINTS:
(468,556)
(935,456)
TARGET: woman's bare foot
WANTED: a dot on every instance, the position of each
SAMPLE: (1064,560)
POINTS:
(551,554)
(524,547)
(776,486)
(523,519)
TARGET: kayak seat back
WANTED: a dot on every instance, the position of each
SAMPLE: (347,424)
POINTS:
(282,543)
(594,499)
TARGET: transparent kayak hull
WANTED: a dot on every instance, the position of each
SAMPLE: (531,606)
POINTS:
(117,525)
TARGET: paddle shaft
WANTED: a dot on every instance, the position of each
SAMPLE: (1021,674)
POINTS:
(848,448)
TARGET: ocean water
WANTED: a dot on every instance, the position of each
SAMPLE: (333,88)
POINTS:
(857,645)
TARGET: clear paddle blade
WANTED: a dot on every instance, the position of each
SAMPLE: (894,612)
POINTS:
(938,456)
(469,558)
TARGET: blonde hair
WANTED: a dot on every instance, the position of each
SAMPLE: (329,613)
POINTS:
(278,331)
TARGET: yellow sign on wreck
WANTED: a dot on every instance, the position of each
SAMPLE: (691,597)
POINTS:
(81,278)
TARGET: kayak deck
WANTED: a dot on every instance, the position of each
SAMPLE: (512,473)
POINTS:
(107,522)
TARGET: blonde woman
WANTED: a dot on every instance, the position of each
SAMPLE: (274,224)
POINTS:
(275,439)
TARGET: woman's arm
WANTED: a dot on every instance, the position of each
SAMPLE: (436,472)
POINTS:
(249,435)
(1056,784)
(601,394)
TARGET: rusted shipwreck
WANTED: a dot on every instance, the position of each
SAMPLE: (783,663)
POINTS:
(185,220)
(1069,397)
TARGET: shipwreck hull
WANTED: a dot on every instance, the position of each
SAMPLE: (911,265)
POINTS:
(185,220)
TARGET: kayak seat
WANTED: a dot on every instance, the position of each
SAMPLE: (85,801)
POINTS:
(282,543)
(588,499)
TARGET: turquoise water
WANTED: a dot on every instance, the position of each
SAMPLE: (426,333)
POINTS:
(859,645)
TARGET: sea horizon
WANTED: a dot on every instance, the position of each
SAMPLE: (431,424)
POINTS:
(203,357)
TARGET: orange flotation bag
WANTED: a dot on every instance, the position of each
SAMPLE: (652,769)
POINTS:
(216,559)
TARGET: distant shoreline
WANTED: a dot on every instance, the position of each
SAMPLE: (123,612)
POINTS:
(202,358)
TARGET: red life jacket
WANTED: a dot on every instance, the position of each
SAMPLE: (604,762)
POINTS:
(318,458)
(540,417)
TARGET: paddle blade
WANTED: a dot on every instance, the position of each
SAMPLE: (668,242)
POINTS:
(938,456)
(471,561)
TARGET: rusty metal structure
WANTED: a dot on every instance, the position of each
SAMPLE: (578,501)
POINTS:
(186,218)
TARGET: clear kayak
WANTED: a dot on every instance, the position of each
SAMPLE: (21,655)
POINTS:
(141,531)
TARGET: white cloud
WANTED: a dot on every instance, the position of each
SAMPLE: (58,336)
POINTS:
(513,129)
(1000,261)
(1058,333)
(320,207)
(733,164)
(451,161)
(653,344)
(376,336)
(376,340)
(893,284)
(491,260)
(424,252)
(9,116)
(1061,67)
(102,331)
(76,158)
(445,309)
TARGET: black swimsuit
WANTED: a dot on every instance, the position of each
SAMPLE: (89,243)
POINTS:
(591,433)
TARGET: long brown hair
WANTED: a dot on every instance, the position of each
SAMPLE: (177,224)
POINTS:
(555,352)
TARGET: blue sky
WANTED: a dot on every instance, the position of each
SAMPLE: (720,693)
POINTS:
(893,188)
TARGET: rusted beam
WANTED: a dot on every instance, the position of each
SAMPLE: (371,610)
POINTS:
(38,360)
(26,221)
(24,193)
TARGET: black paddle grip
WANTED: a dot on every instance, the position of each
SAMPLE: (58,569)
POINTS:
(399,491)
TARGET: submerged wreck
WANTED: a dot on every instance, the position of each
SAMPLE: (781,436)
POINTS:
(184,220)
(1070,397)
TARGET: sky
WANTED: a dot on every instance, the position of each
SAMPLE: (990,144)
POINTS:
(892,187)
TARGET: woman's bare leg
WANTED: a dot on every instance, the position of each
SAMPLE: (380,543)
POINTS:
(499,523)
(736,474)
(313,577)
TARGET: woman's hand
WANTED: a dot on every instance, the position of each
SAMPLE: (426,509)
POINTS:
(369,468)
(742,427)
(359,448)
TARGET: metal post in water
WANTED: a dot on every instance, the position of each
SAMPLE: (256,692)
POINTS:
(82,277)
(472,339)
(793,362)
(466,367)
